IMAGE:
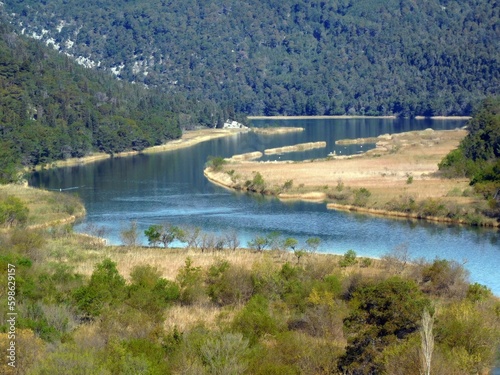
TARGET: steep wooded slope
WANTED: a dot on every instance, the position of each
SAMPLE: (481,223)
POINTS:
(290,57)
(51,108)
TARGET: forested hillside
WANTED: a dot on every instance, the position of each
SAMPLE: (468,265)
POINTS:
(51,108)
(291,57)
(478,155)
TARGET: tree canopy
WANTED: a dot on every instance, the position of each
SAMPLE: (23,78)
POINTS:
(478,155)
(53,109)
(286,57)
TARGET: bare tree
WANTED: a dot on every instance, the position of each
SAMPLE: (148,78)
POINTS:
(208,242)
(97,233)
(220,243)
(397,259)
(427,341)
(130,234)
(193,237)
(232,240)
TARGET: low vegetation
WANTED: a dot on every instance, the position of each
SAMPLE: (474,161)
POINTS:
(215,308)
(36,208)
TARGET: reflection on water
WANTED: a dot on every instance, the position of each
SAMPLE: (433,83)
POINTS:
(170,187)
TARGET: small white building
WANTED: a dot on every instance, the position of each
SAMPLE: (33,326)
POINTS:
(233,125)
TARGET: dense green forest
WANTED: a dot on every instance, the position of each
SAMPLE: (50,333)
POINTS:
(289,57)
(51,109)
(478,155)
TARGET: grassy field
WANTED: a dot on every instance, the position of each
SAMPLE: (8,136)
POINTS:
(400,174)
(46,208)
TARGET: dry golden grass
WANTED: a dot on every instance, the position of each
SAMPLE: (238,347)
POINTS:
(402,165)
(167,261)
(46,208)
(185,317)
(279,130)
(80,252)
(414,155)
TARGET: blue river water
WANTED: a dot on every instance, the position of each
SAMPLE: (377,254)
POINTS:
(170,187)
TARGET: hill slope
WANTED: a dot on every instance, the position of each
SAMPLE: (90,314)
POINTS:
(287,57)
(53,109)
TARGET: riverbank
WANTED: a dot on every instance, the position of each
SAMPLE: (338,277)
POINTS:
(46,208)
(154,294)
(354,117)
(398,178)
(189,138)
(277,130)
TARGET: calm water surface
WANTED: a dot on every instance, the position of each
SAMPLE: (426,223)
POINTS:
(170,187)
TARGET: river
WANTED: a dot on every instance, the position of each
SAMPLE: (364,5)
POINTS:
(170,187)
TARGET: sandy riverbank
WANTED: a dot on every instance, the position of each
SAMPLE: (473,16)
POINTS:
(354,117)
(400,172)
(278,130)
(314,117)
(189,138)
(295,148)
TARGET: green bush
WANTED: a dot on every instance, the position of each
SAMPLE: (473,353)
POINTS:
(105,289)
(258,183)
(227,284)
(255,319)
(361,196)
(13,211)
(216,163)
(149,292)
(383,312)
(190,280)
(349,259)
(366,262)
(432,207)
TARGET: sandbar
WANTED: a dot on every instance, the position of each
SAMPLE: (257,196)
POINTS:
(188,139)
(402,167)
(295,148)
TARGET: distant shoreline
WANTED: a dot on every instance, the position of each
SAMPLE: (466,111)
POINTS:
(189,138)
(347,117)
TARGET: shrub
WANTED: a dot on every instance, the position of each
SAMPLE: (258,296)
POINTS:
(384,312)
(191,283)
(288,185)
(150,293)
(255,320)
(445,278)
(216,163)
(13,212)
(105,288)
(405,203)
(349,259)
(361,196)
(366,262)
(478,292)
(28,242)
(258,183)
(432,207)
(224,354)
